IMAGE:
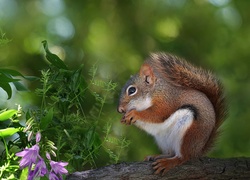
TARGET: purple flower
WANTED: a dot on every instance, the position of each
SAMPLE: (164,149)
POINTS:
(53,176)
(40,169)
(58,168)
(31,175)
(29,156)
(36,164)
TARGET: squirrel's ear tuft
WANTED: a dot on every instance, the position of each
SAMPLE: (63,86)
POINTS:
(147,73)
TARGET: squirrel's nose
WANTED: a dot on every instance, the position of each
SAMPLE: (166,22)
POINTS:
(120,109)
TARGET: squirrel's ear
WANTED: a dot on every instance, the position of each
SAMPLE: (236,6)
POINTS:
(147,73)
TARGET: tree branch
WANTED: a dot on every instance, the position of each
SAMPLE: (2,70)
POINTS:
(203,168)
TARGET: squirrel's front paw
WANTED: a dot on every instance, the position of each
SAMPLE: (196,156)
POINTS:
(129,117)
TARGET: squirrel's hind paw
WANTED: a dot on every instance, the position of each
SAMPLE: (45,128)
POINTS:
(163,165)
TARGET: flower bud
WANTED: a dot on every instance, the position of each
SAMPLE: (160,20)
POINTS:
(53,153)
(53,147)
(38,137)
(27,128)
(30,135)
(48,155)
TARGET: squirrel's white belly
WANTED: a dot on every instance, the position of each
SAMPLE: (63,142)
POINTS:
(169,134)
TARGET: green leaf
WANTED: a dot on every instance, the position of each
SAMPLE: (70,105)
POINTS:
(6,78)
(7,88)
(24,174)
(7,114)
(8,131)
(46,119)
(52,58)
(76,79)
(19,86)
(92,138)
(31,78)
(11,72)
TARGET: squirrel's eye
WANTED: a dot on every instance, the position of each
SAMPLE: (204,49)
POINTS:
(131,90)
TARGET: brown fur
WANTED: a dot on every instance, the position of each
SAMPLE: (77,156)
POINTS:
(182,73)
(173,83)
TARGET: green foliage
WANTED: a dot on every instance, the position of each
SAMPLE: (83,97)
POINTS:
(69,119)
(8,126)
(120,143)
(9,122)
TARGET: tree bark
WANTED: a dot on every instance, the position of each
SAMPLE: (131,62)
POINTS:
(203,168)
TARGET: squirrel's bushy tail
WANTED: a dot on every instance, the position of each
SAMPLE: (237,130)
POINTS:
(182,73)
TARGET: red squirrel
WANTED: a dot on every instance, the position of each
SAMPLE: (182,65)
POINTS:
(179,104)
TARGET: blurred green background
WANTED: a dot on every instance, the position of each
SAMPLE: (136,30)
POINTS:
(118,35)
